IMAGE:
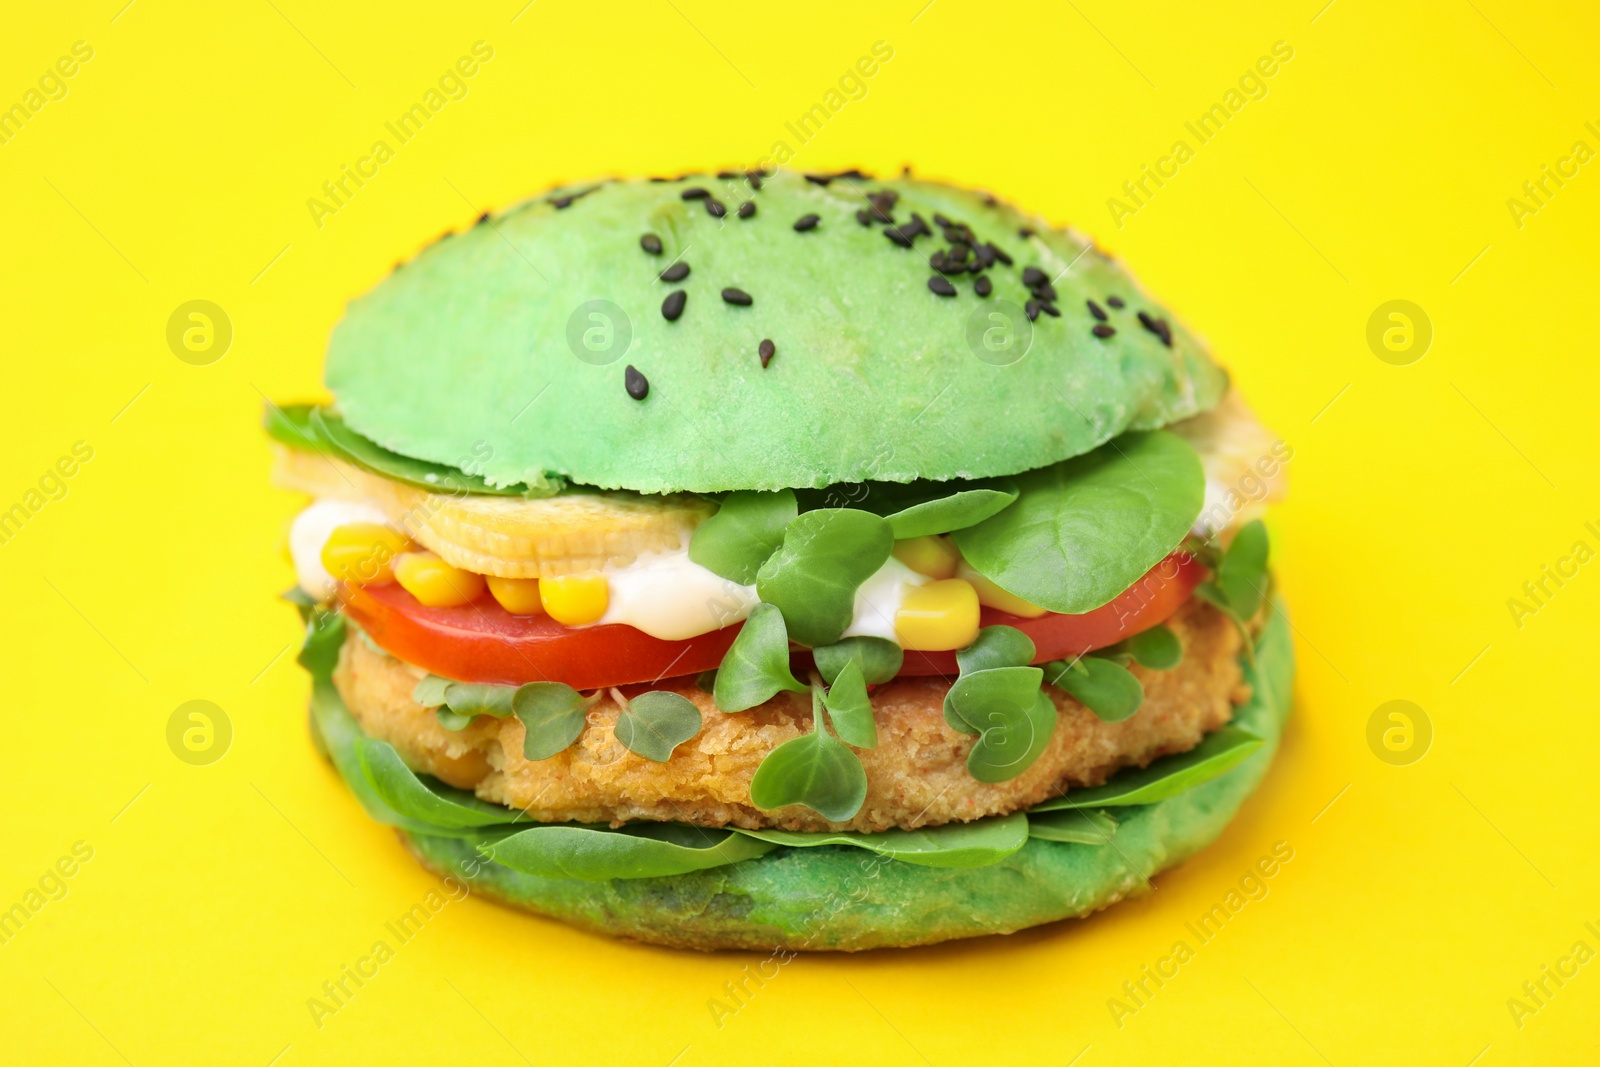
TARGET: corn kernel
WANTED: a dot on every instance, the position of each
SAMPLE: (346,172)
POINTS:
(575,599)
(938,617)
(360,552)
(519,596)
(992,596)
(932,557)
(434,582)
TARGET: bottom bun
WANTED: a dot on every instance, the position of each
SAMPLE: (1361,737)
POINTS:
(842,899)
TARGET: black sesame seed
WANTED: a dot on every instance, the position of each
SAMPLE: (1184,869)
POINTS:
(983,286)
(482,219)
(1025,232)
(672,306)
(941,220)
(651,243)
(755,179)
(984,255)
(655,178)
(766,350)
(1000,254)
(918,225)
(1102,330)
(695,193)
(806,222)
(563,201)
(1096,310)
(1049,309)
(1032,276)
(1045,292)
(676,273)
(887,198)
(747,209)
(737,297)
(819,179)
(638,385)
(941,286)
(898,235)
(1031,308)
(862,217)
(959,253)
(727,175)
(1156,326)
(1115,301)
(715,208)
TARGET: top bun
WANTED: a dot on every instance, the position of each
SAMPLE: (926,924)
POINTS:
(506,348)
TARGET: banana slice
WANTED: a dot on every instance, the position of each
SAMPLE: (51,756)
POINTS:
(507,536)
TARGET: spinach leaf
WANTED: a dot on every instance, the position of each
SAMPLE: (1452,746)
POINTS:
(756,666)
(1083,826)
(961,844)
(1010,743)
(747,528)
(319,652)
(1084,530)
(978,697)
(346,444)
(1241,574)
(812,578)
(954,512)
(655,723)
(1102,685)
(304,603)
(996,646)
(552,717)
(880,660)
(1168,776)
(291,425)
(429,692)
(815,770)
(1157,648)
(638,850)
(405,791)
(847,701)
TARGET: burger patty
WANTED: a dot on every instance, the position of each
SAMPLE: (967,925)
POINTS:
(916,776)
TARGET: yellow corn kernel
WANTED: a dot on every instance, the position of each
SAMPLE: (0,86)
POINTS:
(932,556)
(520,596)
(360,552)
(938,617)
(992,596)
(434,582)
(575,599)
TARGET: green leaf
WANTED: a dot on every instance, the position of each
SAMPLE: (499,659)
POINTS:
(429,692)
(552,717)
(1011,743)
(1103,686)
(706,681)
(1083,826)
(303,602)
(403,790)
(851,708)
(756,666)
(979,697)
(1084,530)
(817,771)
(1168,776)
(1157,648)
(954,512)
(880,660)
(812,578)
(472,698)
(1242,574)
(747,528)
(655,723)
(450,720)
(996,646)
(346,444)
(639,850)
(979,843)
(291,425)
(319,652)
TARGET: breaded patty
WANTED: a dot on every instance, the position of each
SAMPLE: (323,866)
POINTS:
(917,776)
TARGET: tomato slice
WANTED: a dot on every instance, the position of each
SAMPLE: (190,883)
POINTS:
(1148,602)
(482,642)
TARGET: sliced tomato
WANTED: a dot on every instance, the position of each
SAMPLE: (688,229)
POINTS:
(1151,600)
(482,642)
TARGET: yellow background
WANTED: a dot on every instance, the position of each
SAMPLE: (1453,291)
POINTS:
(220,898)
